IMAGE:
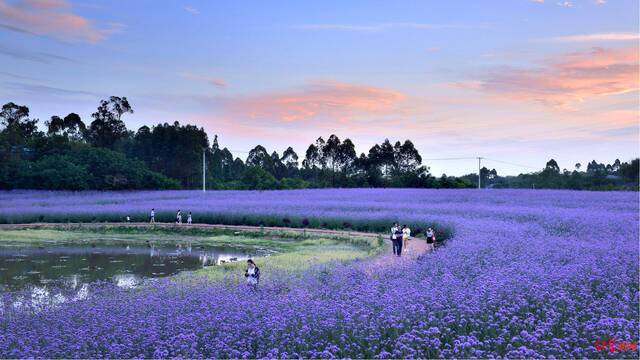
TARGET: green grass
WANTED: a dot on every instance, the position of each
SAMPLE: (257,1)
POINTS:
(281,240)
(304,256)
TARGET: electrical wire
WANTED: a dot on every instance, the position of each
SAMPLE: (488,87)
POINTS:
(511,163)
(447,159)
(460,158)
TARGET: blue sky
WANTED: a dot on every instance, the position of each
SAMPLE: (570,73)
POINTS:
(520,81)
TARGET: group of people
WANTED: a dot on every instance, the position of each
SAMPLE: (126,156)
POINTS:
(400,237)
(152,217)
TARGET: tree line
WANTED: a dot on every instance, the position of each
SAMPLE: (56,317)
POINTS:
(596,176)
(105,155)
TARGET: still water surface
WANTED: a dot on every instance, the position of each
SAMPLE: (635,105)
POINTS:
(126,264)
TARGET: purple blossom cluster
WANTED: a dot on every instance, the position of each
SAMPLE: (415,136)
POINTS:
(527,274)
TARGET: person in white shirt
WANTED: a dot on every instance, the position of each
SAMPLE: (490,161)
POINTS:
(252,274)
(179,217)
(431,237)
(406,236)
(189,218)
(152,217)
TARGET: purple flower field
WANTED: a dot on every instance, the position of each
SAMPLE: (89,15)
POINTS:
(526,274)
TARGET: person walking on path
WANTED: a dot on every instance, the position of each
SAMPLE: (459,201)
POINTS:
(189,220)
(394,242)
(179,217)
(252,274)
(406,236)
(399,240)
(396,238)
(431,237)
(152,217)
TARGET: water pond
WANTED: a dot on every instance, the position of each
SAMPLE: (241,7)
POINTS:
(126,263)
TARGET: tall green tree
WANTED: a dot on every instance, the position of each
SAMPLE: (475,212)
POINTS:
(259,157)
(487,176)
(314,158)
(407,159)
(552,167)
(18,128)
(290,161)
(172,149)
(383,157)
(277,168)
(107,128)
(70,127)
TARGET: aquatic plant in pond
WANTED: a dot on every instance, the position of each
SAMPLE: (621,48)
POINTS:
(527,274)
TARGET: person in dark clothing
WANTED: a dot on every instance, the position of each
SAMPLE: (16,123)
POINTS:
(399,241)
(396,239)
(392,237)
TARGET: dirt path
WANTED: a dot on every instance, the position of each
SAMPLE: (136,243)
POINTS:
(206,226)
(416,246)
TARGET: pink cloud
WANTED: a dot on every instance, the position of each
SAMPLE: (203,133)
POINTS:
(217,82)
(44,4)
(54,18)
(573,78)
(608,36)
(324,99)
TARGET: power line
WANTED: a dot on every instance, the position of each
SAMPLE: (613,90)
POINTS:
(443,159)
(514,164)
(475,158)
(460,158)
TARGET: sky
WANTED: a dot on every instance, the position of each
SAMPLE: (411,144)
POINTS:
(514,81)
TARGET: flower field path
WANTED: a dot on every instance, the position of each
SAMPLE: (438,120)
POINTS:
(205,226)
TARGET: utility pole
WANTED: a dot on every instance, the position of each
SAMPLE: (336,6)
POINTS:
(204,172)
(479,185)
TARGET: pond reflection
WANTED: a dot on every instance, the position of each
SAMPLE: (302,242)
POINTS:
(127,265)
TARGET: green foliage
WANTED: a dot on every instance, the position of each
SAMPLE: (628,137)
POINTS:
(294,183)
(107,128)
(170,156)
(256,178)
(18,127)
(59,165)
(615,176)
(69,127)
(58,172)
(174,150)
